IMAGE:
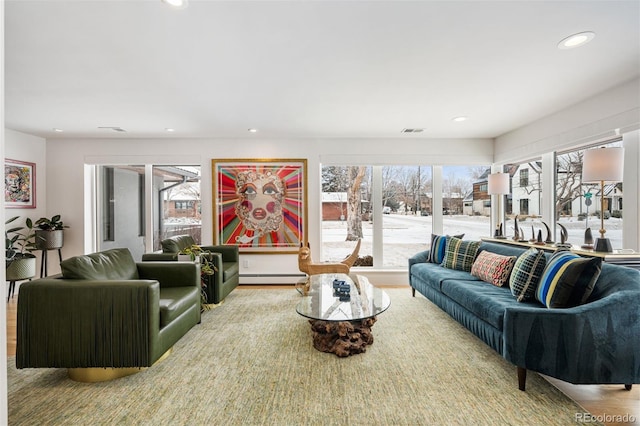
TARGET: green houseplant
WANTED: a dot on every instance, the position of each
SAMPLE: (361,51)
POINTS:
(50,233)
(207,268)
(19,242)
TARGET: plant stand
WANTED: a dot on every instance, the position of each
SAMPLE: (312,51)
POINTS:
(43,263)
(19,270)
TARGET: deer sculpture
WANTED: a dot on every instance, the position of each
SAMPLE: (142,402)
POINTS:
(306,265)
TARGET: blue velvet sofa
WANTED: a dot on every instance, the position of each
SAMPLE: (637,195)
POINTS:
(594,343)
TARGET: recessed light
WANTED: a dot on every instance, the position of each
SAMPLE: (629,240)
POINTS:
(169,129)
(177,4)
(576,40)
(252,130)
(460,118)
(55,129)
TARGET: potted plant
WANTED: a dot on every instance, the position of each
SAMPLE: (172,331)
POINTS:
(20,263)
(195,253)
(50,233)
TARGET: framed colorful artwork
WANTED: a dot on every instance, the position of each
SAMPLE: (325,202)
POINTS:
(19,184)
(260,205)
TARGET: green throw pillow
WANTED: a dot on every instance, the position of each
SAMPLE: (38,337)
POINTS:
(526,274)
(459,254)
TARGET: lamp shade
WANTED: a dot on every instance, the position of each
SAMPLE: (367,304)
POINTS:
(498,183)
(603,164)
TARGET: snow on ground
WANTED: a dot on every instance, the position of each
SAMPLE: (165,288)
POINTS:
(406,235)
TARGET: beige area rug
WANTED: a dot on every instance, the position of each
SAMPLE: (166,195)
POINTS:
(251,362)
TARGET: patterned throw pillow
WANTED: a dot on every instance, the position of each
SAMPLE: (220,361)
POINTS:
(493,268)
(459,254)
(526,274)
(438,247)
(568,280)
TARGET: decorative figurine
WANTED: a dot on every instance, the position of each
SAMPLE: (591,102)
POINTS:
(533,235)
(498,233)
(588,239)
(564,235)
(516,230)
(548,240)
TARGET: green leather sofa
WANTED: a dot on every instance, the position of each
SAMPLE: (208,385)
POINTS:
(106,310)
(225,258)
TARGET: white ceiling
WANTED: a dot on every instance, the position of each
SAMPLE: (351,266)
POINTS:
(307,68)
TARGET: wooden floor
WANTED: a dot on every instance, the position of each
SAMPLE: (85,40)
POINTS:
(611,404)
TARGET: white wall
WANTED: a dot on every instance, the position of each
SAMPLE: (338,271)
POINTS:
(22,147)
(606,115)
(66,159)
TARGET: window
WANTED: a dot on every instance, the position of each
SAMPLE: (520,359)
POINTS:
(352,196)
(524,177)
(466,204)
(407,191)
(524,206)
(122,193)
(121,202)
(346,212)
(578,205)
(176,190)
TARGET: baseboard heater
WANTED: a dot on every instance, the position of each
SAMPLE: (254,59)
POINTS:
(270,278)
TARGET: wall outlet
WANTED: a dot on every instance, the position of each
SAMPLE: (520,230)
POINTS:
(245,263)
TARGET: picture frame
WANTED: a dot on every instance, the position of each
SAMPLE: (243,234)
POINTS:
(19,184)
(260,205)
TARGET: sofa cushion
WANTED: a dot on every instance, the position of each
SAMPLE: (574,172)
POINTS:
(177,243)
(114,264)
(526,274)
(174,301)
(493,268)
(438,247)
(568,280)
(433,274)
(460,254)
(484,300)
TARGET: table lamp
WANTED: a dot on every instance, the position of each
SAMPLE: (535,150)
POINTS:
(498,184)
(603,165)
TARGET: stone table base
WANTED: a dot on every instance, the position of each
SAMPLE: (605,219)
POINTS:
(343,338)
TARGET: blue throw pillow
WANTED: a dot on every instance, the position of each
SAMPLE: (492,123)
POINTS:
(568,280)
(438,247)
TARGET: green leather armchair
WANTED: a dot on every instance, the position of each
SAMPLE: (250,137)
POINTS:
(106,310)
(225,258)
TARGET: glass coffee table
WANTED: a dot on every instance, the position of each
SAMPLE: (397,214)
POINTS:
(342,309)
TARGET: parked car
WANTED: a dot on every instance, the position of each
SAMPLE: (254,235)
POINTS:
(386,210)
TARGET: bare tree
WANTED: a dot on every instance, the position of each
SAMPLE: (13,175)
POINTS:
(569,179)
(354,219)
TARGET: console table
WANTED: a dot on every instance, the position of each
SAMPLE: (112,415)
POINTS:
(628,258)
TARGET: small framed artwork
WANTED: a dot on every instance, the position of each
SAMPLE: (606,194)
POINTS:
(19,184)
(260,205)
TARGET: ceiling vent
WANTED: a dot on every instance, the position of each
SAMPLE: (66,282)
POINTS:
(113,128)
(412,131)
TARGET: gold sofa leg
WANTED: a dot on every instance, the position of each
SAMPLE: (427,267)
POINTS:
(98,374)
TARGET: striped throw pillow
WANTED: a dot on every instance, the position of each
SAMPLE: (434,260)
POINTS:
(438,247)
(459,254)
(568,280)
(526,274)
(493,268)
